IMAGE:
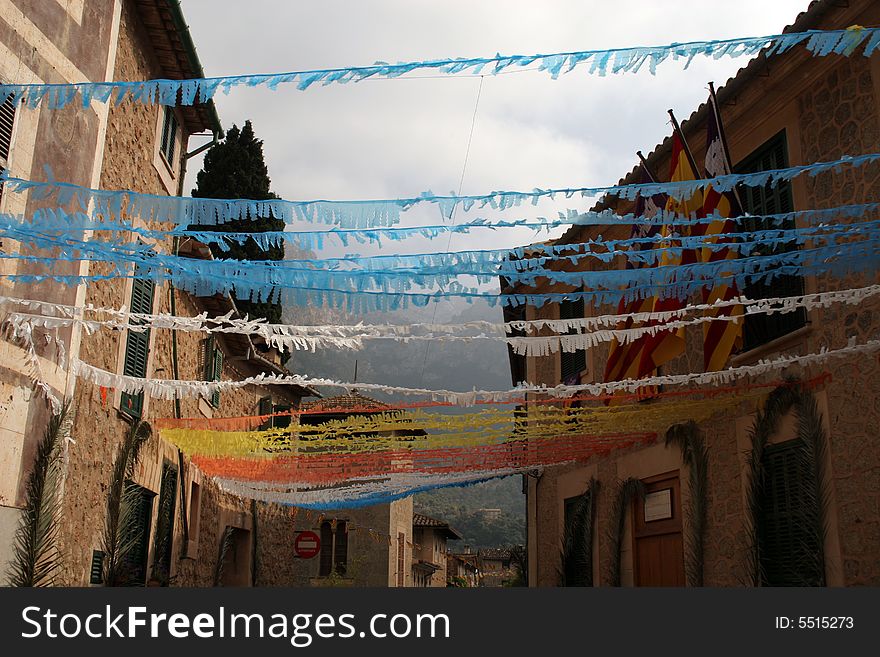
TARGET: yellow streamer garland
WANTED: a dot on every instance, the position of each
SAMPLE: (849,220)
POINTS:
(392,431)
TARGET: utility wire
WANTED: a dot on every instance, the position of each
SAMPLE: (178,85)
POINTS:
(467,154)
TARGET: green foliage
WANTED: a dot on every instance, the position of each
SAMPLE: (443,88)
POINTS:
(627,491)
(689,440)
(36,559)
(119,535)
(234,168)
(225,546)
(811,442)
(577,541)
(460,508)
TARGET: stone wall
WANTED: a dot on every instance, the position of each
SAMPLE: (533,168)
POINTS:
(839,116)
(99,427)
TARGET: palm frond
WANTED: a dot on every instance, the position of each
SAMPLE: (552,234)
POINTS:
(627,490)
(163,540)
(119,524)
(806,566)
(36,559)
(688,438)
(225,545)
(577,541)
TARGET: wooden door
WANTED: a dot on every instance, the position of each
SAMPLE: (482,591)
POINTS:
(658,550)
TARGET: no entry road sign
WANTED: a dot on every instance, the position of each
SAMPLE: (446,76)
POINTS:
(307,545)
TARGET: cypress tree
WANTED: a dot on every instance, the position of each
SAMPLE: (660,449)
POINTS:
(234,168)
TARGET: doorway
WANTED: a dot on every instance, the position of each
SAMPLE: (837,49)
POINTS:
(658,548)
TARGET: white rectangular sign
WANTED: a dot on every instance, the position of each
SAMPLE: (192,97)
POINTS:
(658,505)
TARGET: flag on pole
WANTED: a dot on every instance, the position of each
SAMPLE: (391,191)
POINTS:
(623,358)
(722,337)
(663,346)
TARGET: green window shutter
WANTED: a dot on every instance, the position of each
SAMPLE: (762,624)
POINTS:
(217,373)
(789,514)
(206,359)
(266,407)
(137,344)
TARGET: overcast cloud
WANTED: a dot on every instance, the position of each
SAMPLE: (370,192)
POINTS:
(398,138)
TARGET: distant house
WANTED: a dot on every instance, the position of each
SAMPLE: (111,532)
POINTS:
(496,567)
(463,569)
(429,550)
(369,546)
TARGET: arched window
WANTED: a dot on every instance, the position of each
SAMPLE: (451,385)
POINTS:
(334,548)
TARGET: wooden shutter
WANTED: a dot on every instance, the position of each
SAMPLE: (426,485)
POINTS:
(401,560)
(169,135)
(789,514)
(760,201)
(137,344)
(217,371)
(266,409)
(340,552)
(164,540)
(138,535)
(575,362)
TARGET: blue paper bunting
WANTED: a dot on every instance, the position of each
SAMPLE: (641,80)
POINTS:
(189,211)
(597,62)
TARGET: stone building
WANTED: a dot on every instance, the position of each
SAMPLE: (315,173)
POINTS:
(786,110)
(463,569)
(429,561)
(188,532)
(365,546)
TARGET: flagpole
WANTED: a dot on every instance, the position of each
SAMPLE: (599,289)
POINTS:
(723,136)
(646,167)
(687,149)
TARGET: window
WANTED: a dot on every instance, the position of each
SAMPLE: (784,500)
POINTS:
(334,548)
(771,199)
(137,534)
(401,559)
(195,508)
(789,511)
(574,362)
(518,372)
(164,539)
(137,343)
(212,365)
(169,136)
(268,407)
(7,121)
(236,552)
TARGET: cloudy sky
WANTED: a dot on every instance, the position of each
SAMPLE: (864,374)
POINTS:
(393,138)
(398,138)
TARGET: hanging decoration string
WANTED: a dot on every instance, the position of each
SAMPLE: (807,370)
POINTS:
(598,62)
(169,389)
(382,212)
(311,338)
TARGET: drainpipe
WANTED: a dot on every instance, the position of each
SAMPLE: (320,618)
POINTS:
(175,366)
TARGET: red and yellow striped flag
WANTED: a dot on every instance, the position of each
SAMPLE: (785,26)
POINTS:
(623,357)
(663,346)
(720,338)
